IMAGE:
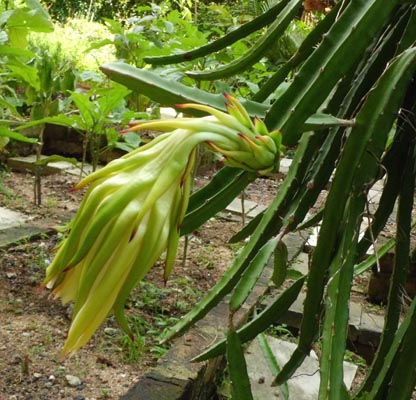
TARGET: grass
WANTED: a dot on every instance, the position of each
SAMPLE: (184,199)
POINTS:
(37,254)
(281,332)
(355,359)
(151,310)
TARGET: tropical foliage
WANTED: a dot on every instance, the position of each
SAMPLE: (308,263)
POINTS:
(344,101)
(357,64)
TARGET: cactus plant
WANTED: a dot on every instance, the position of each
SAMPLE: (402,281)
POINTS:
(357,68)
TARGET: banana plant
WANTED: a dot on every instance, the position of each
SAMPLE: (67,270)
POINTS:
(355,72)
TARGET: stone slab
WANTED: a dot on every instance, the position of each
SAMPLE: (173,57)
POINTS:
(295,243)
(11,219)
(235,206)
(176,374)
(304,385)
(31,229)
(379,185)
(292,317)
(301,263)
(256,211)
(167,112)
(313,237)
(25,164)
(355,315)
(157,387)
(371,328)
(87,169)
(285,164)
(374,195)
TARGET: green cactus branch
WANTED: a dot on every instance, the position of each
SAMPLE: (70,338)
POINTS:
(256,52)
(347,114)
(237,34)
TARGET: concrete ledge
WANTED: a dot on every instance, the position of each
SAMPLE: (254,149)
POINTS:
(177,377)
(364,330)
(30,231)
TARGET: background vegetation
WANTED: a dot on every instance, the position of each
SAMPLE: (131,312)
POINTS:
(342,92)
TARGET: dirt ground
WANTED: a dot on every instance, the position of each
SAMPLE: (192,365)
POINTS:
(33,326)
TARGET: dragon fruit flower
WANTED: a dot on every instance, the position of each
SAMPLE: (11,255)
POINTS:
(133,210)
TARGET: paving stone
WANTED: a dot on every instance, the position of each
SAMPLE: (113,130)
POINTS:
(24,164)
(167,112)
(76,171)
(14,234)
(355,314)
(10,219)
(373,199)
(175,377)
(235,206)
(285,163)
(293,317)
(371,328)
(364,328)
(304,385)
(313,237)
(295,242)
(256,211)
(157,387)
(31,229)
(301,263)
(379,185)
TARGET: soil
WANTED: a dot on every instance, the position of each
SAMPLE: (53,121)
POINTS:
(33,326)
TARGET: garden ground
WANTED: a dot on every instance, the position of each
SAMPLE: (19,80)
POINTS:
(33,326)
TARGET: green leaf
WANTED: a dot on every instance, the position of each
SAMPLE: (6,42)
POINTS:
(4,190)
(56,158)
(13,51)
(6,132)
(111,98)
(132,139)
(4,38)
(169,92)
(3,141)
(18,37)
(372,260)
(277,307)
(272,362)
(61,119)
(214,198)
(33,18)
(255,52)
(27,73)
(293,274)
(226,40)
(323,121)
(87,108)
(252,274)
(247,230)
(237,367)
(7,104)
(280,264)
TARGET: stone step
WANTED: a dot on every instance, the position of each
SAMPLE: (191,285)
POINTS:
(364,328)
(27,164)
(304,385)
(11,219)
